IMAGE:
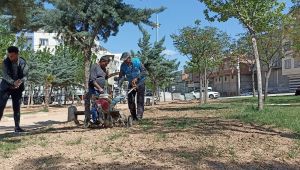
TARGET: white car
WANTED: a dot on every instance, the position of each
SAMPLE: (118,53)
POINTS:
(211,94)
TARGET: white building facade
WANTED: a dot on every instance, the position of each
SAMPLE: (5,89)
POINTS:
(39,40)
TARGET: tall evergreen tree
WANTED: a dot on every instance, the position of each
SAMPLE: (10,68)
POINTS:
(159,69)
(6,39)
(19,12)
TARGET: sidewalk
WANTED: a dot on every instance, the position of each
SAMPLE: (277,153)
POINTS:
(35,120)
(38,119)
(236,97)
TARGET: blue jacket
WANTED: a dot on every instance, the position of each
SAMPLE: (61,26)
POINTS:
(135,70)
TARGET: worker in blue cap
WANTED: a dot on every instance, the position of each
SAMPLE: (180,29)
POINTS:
(135,73)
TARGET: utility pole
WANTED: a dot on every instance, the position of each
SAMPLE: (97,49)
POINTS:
(157,27)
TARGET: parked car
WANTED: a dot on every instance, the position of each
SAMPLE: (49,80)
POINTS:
(297,93)
(211,94)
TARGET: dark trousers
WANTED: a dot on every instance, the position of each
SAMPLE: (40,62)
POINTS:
(16,96)
(137,112)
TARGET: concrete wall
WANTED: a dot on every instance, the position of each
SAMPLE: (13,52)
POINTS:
(227,85)
(294,64)
(277,82)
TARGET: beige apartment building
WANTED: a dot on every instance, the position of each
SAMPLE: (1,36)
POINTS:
(291,67)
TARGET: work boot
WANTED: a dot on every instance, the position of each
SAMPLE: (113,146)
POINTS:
(87,123)
(19,130)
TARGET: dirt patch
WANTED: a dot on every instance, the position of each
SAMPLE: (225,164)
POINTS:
(172,136)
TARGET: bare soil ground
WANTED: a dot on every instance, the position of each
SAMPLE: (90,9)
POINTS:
(171,136)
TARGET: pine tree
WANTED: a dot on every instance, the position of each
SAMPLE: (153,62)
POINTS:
(6,39)
(18,12)
(159,69)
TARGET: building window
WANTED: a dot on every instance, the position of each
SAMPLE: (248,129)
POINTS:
(232,77)
(44,42)
(296,64)
(288,64)
(29,41)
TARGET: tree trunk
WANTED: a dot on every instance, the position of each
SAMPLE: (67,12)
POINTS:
(66,96)
(253,82)
(29,95)
(158,93)
(73,96)
(268,74)
(164,91)
(206,86)
(154,93)
(60,96)
(87,62)
(47,86)
(258,72)
(200,89)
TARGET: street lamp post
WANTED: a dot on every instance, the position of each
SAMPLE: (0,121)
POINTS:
(157,27)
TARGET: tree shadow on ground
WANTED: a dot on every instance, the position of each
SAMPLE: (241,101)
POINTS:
(193,108)
(46,128)
(205,126)
(38,126)
(59,162)
(201,158)
(254,165)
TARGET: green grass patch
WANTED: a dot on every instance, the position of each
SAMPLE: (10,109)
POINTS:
(245,109)
(146,124)
(278,116)
(180,123)
(270,100)
(8,146)
(218,106)
(116,136)
(161,136)
(42,141)
(75,142)
(186,155)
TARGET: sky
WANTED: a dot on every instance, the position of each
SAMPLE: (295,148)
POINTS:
(179,13)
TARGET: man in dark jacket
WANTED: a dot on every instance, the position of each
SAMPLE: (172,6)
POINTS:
(97,80)
(14,75)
